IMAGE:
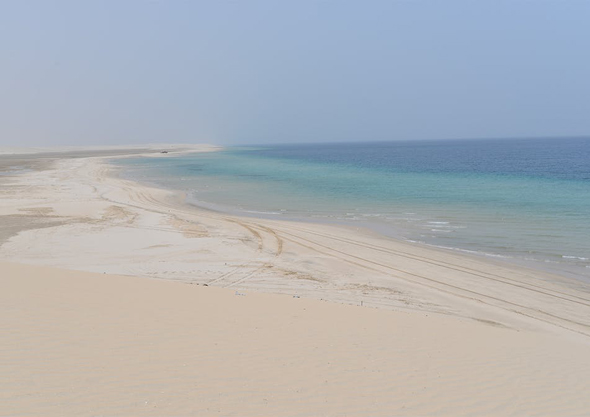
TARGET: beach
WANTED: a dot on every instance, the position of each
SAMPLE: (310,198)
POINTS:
(120,298)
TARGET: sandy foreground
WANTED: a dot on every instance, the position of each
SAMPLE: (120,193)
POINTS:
(294,319)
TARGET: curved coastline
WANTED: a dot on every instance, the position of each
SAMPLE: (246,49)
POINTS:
(333,262)
(545,236)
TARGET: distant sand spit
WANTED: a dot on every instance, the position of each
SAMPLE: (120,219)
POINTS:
(438,333)
(77,343)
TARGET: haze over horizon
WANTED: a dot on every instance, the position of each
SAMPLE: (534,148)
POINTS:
(102,73)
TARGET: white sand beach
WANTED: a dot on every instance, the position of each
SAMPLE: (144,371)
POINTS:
(121,299)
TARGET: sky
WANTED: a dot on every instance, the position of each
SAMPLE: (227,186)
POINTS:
(248,71)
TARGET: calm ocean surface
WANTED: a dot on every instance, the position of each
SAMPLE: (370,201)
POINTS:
(527,201)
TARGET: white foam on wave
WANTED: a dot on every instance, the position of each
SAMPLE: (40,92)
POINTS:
(445,226)
(580,258)
(263,212)
(491,255)
(438,222)
(407,219)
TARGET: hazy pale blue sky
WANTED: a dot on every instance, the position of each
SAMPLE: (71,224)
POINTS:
(230,72)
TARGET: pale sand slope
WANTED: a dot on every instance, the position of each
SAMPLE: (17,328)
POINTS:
(529,339)
(77,343)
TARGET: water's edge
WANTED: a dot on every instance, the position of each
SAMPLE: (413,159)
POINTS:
(368,225)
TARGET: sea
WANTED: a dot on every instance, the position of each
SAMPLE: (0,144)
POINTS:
(521,200)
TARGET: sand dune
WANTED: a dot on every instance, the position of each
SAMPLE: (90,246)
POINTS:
(438,333)
(78,343)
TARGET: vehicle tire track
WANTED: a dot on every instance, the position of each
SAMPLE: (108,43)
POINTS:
(474,272)
(474,294)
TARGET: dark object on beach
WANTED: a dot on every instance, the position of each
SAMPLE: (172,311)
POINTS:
(164,152)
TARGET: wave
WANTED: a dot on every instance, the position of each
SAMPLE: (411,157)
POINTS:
(276,213)
(580,258)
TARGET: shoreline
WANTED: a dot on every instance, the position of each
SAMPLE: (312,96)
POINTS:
(553,264)
(375,228)
(321,261)
(181,199)
(562,257)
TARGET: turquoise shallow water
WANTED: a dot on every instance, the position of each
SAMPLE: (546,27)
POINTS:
(522,200)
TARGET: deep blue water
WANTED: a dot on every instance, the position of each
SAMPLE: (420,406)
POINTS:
(567,159)
(525,200)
